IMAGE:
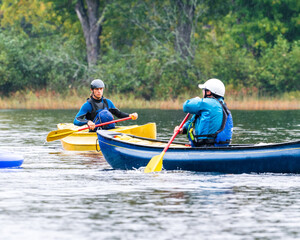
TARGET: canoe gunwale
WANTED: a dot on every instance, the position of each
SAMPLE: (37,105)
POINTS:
(110,136)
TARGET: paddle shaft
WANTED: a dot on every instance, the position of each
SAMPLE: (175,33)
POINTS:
(62,133)
(176,133)
(106,123)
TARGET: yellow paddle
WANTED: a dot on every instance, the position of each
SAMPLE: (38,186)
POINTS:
(62,133)
(155,164)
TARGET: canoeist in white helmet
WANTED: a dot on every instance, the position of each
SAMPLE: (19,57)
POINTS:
(211,124)
(98,109)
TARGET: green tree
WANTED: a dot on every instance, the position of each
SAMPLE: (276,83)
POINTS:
(255,24)
(151,48)
(35,51)
(279,66)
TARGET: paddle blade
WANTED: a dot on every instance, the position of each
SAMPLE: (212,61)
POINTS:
(155,164)
(59,134)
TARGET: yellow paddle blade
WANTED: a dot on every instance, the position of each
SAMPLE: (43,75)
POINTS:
(59,134)
(155,164)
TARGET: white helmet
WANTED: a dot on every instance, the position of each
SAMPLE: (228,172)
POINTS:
(215,86)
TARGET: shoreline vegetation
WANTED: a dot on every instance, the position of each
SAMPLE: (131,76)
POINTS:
(154,50)
(43,100)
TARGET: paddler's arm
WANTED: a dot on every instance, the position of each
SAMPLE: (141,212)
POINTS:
(191,106)
(119,114)
(194,105)
(183,130)
(80,118)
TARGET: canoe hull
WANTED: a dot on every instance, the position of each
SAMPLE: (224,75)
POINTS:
(87,141)
(275,158)
(10,160)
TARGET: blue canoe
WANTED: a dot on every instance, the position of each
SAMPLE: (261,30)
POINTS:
(9,160)
(127,152)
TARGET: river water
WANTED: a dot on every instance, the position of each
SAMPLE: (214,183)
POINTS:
(58,194)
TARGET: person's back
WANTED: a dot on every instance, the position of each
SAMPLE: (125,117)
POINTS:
(211,123)
(207,117)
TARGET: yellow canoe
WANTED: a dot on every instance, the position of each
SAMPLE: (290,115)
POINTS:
(87,141)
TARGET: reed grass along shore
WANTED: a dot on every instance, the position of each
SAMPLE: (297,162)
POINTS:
(50,100)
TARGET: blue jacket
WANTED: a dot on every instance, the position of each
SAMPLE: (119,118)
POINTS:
(209,115)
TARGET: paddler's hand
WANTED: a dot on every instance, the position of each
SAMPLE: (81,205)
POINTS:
(134,116)
(91,125)
(177,128)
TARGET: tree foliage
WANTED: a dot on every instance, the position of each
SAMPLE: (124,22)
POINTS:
(151,48)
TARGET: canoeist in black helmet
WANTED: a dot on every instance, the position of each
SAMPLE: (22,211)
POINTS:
(211,124)
(98,109)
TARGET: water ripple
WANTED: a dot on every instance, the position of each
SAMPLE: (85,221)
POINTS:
(62,195)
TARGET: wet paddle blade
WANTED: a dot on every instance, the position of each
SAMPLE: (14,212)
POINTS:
(155,164)
(59,134)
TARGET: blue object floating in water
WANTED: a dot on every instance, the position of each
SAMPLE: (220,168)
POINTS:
(9,160)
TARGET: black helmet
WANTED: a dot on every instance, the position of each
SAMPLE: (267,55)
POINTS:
(97,83)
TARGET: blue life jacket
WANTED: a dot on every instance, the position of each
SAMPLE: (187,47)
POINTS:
(103,117)
(100,113)
(224,135)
